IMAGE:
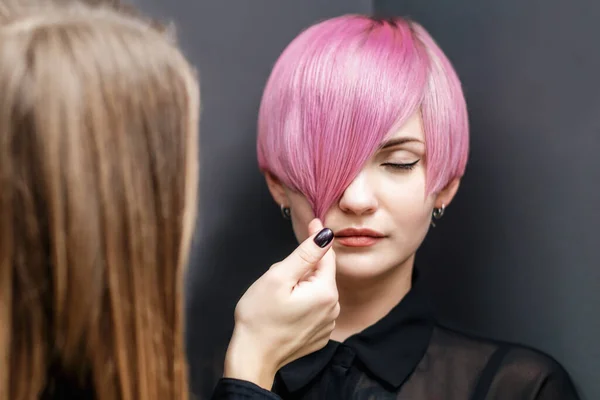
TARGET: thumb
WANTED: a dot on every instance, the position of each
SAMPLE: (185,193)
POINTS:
(326,268)
(308,254)
(315,226)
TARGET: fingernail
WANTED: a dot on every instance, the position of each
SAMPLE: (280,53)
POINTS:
(324,237)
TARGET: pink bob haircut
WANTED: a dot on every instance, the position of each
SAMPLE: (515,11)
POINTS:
(341,88)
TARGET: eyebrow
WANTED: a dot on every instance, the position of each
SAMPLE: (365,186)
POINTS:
(398,141)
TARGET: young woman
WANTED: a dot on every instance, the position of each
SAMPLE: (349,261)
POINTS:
(363,124)
(98,176)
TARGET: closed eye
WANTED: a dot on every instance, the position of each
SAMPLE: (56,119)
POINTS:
(401,166)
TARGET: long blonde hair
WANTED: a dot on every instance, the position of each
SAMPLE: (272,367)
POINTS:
(98,174)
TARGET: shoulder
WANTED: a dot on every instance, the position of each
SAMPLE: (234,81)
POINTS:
(509,369)
(529,360)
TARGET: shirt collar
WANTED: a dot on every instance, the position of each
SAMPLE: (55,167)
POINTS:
(390,349)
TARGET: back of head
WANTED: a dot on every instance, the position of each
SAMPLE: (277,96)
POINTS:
(98,119)
(9,9)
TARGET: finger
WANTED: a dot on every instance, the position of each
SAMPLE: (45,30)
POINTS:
(306,256)
(335,311)
(315,226)
(326,269)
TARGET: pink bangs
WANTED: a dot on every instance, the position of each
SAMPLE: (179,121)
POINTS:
(340,88)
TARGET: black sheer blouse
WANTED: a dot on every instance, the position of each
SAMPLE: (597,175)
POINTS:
(407,355)
(66,387)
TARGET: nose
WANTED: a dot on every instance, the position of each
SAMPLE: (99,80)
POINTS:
(359,197)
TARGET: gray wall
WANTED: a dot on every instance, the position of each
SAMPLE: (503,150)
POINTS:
(517,255)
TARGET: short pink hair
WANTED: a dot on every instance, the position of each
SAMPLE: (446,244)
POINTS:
(341,88)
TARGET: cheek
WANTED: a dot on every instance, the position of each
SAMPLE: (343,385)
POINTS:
(413,213)
(302,214)
(408,204)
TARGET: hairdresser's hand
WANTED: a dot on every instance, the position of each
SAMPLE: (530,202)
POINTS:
(286,314)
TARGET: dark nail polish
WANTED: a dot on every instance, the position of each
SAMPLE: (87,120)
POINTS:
(324,237)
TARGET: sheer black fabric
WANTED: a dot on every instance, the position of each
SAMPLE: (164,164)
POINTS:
(65,387)
(408,356)
(234,389)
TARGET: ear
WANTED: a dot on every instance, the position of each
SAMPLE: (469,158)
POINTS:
(445,196)
(277,189)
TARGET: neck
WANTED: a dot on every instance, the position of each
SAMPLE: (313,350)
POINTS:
(364,302)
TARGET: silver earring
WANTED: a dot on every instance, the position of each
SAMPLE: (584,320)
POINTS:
(438,213)
(286,212)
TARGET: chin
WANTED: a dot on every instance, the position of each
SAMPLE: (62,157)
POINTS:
(357,266)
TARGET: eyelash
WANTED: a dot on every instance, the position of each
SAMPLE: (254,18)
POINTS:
(408,166)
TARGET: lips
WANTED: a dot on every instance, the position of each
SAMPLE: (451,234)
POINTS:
(358,237)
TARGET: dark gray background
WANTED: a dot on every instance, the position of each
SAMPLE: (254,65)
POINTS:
(516,257)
